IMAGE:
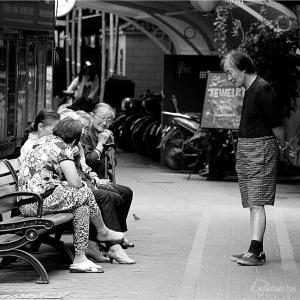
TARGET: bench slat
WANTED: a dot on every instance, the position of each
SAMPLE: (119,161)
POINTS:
(57,219)
(15,163)
(9,237)
(3,167)
(10,203)
(6,179)
(7,189)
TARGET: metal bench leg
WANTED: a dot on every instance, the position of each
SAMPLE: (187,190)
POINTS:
(59,233)
(31,260)
(35,246)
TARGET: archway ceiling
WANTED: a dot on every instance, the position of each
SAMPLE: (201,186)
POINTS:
(177,18)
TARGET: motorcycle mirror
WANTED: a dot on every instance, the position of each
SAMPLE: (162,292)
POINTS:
(175,104)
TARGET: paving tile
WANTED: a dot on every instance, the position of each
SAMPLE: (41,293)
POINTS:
(183,242)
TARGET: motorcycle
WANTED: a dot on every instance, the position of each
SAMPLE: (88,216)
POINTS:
(137,127)
(221,154)
(183,141)
(186,146)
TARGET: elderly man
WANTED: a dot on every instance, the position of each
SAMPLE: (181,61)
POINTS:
(92,142)
(260,137)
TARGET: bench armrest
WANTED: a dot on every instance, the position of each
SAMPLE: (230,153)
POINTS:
(34,198)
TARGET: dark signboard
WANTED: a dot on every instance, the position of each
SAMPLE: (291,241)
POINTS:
(185,77)
(222,103)
(31,15)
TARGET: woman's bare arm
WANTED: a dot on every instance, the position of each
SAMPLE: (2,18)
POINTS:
(69,169)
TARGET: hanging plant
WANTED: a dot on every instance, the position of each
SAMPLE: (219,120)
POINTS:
(221,27)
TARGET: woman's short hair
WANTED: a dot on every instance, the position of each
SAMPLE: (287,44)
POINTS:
(46,117)
(104,107)
(68,130)
(240,60)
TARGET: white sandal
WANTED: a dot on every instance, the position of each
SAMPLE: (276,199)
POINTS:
(86,267)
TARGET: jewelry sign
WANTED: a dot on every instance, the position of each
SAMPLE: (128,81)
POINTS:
(222,103)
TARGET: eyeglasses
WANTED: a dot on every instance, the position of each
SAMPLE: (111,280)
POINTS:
(103,119)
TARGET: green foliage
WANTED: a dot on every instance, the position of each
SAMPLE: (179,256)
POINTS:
(270,49)
(221,28)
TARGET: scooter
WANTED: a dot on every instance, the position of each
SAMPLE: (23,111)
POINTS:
(183,141)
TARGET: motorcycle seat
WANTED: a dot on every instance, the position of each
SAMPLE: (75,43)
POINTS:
(190,125)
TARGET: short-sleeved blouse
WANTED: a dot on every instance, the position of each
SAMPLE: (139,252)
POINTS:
(41,169)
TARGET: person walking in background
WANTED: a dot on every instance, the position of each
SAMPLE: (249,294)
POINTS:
(260,137)
(87,86)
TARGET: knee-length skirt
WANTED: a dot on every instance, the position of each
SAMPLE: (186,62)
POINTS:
(257,165)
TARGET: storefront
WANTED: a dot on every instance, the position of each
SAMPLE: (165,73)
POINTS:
(26,55)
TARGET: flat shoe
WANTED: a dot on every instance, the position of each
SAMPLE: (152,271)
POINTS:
(86,267)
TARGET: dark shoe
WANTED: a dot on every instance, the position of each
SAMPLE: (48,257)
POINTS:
(111,236)
(250,259)
(235,257)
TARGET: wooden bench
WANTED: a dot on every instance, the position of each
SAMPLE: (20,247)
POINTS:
(16,231)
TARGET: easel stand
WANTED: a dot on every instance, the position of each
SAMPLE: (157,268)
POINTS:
(109,156)
(233,142)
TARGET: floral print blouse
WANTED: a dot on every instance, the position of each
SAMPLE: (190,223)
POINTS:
(41,169)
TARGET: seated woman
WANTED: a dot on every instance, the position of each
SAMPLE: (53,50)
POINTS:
(109,202)
(92,142)
(43,125)
(49,170)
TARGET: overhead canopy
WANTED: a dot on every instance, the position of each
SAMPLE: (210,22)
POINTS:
(188,23)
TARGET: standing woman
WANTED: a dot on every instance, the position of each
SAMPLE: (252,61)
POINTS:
(260,137)
(49,170)
(87,86)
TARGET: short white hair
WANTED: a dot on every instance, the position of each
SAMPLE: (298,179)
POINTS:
(104,107)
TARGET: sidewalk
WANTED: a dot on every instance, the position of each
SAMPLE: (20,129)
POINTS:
(184,237)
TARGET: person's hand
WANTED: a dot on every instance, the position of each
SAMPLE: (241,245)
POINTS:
(99,182)
(104,136)
(287,153)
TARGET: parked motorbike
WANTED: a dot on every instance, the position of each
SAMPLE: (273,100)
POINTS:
(186,146)
(137,127)
(221,153)
(183,142)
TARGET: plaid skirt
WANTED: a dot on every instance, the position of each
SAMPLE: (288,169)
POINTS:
(257,165)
